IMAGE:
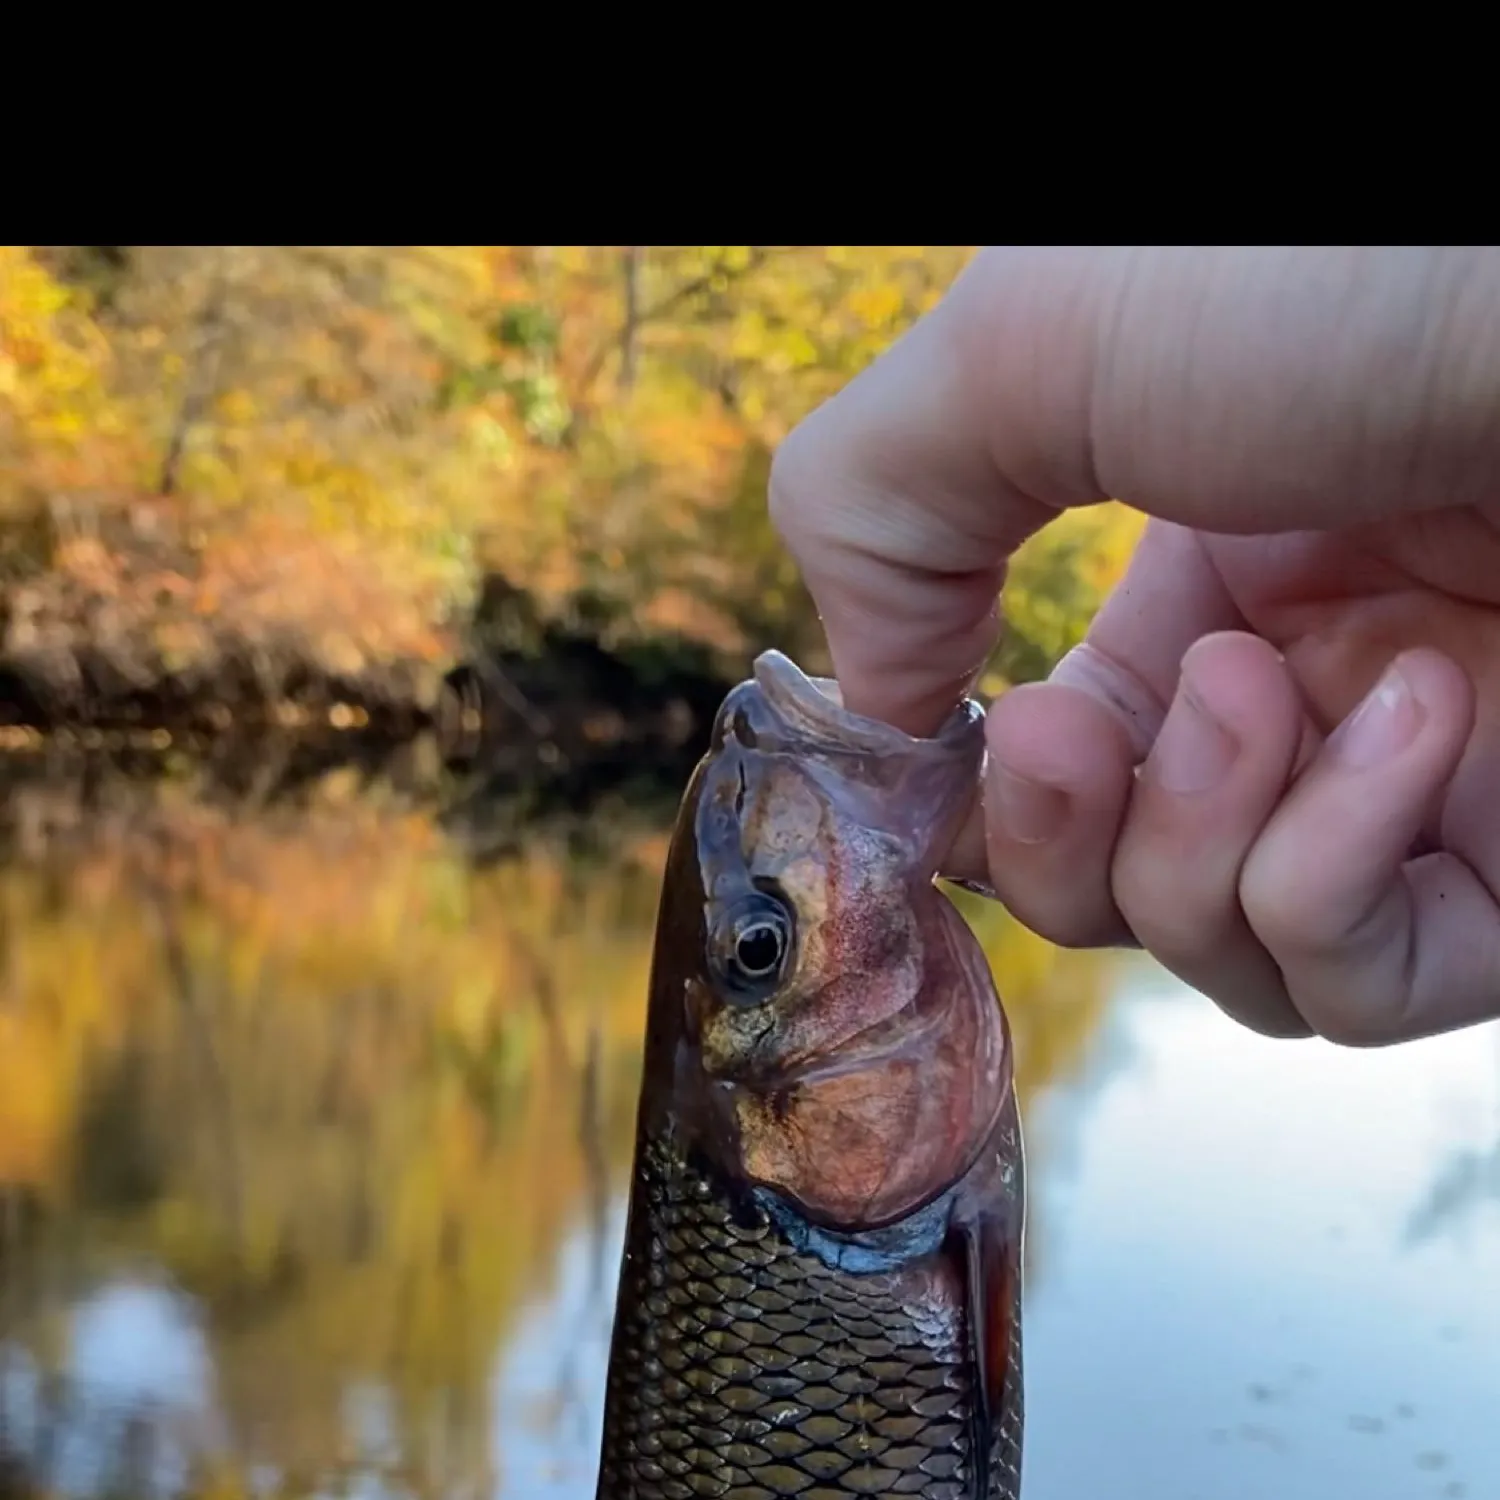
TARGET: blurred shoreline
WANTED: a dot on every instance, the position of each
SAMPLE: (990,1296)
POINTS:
(86,661)
(513,497)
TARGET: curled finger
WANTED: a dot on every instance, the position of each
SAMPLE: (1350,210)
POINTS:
(1213,779)
(1375,946)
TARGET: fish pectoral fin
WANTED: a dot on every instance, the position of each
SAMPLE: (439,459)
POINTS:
(991,1248)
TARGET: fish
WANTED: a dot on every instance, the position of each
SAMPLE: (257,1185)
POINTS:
(819,1293)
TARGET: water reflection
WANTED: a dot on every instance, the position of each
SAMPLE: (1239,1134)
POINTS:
(1233,1307)
(314,1126)
(549,1391)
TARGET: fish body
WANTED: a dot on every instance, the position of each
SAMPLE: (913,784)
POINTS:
(820,1290)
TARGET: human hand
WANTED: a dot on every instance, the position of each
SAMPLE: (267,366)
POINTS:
(1220,772)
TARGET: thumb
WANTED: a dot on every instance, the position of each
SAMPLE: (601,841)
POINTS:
(1233,390)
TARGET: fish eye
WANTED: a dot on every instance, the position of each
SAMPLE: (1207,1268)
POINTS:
(750,948)
(758,947)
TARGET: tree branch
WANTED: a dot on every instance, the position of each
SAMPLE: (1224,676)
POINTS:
(202,380)
(632,315)
(759,255)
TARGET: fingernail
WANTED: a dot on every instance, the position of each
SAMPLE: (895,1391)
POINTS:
(1193,752)
(1028,812)
(1382,726)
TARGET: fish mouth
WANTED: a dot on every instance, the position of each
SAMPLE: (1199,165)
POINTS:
(813,707)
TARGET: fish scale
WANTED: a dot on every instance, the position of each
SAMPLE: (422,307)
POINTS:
(748,1368)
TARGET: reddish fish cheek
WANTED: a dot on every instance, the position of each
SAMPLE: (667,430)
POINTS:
(855,1000)
(869,969)
(858,1150)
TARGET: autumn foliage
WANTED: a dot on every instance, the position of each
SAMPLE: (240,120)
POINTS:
(241,470)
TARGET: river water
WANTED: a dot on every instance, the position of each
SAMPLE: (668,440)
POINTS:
(316,1102)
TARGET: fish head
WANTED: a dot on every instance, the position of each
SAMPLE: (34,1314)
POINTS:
(840,1039)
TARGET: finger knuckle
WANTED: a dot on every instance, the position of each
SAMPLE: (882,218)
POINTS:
(1070,916)
(1174,906)
(1283,907)
(1336,967)
(1343,1024)
(791,481)
(1267,1013)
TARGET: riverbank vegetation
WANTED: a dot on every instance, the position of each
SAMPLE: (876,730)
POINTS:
(286,482)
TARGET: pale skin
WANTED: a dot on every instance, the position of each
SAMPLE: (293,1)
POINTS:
(1275,761)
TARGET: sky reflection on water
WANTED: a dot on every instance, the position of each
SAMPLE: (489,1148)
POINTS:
(1268,1268)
